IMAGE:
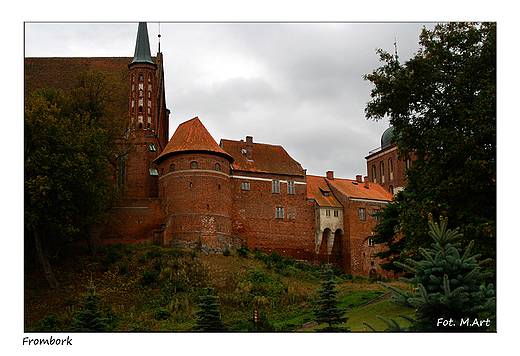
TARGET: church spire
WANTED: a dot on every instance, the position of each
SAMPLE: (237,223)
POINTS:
(142,52)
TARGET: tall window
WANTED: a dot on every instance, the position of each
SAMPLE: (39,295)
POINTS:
(172,167)
(276,186)
(374,173)
(382,172)
(362,214)
(390,169)
(290,187)
(245,186)
(279,212)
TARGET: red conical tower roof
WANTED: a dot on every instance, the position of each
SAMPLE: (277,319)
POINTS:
(192,136)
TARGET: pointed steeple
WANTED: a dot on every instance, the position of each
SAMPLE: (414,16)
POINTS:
(142,52)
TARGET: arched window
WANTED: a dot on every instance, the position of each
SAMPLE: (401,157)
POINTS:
(193,165)
(382,172)
(390,169)
(217,166)
(172,167)
(374,174)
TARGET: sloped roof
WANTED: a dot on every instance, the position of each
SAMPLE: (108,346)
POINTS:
(358,191)
(267,158)
(60,73)
(315,187)
(192,136)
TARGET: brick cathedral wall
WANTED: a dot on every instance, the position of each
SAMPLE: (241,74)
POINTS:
(135,219)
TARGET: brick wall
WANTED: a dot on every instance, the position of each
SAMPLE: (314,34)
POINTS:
(255,219)
(134,219)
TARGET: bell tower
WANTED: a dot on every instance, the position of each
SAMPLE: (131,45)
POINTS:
(143,84)
(148,118)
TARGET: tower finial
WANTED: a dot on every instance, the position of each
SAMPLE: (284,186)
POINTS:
(142,45)
(159,40)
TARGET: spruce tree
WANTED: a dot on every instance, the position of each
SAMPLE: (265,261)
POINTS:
(90,317)
(327,306)
(208,317)
(451,294)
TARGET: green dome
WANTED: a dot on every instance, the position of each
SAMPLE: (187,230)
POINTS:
(387,135)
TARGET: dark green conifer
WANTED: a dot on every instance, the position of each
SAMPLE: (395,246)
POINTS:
(327,306)
(450,293)
(90,317)
(208,317)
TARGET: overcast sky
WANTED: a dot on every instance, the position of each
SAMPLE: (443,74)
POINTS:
(299,85)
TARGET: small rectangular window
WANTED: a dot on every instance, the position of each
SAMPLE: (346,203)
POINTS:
(362,215)
(336,213)
(290,187)
(276,186)
(376,218)
(279,212)
(245,186)
(327,212)
(154,172)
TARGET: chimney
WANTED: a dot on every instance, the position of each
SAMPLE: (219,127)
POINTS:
(330,175)
(249,148)
(366,181)
(358,178)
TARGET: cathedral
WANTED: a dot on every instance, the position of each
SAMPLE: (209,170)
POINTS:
(187,190)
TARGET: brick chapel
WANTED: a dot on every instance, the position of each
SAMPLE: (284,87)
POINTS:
(188,190)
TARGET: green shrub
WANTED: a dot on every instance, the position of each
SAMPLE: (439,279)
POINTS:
(243,251)
(149,277)
(158,264)
(49,323)
(162,313)
(226,252)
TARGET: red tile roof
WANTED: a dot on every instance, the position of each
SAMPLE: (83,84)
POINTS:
(192,136)
(266,159)
(353,190)
(315,188)
(60,73)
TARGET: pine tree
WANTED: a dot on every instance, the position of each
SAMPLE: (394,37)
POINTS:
(327,306)
(450,291)
(208,318)
(90,318)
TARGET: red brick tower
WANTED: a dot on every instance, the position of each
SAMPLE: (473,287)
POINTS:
(385,167)
(195,187)
(148,119)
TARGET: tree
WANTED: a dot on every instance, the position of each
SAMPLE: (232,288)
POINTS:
(442,106)
(67,183)
(450,291)
(327,306)
(208,317)
(90,318)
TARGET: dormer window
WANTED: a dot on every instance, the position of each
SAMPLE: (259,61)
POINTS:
(325,192)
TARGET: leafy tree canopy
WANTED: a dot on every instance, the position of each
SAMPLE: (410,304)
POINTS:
(442,105)
(68,147)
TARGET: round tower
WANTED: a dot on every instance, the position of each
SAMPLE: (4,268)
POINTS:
(195,186)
